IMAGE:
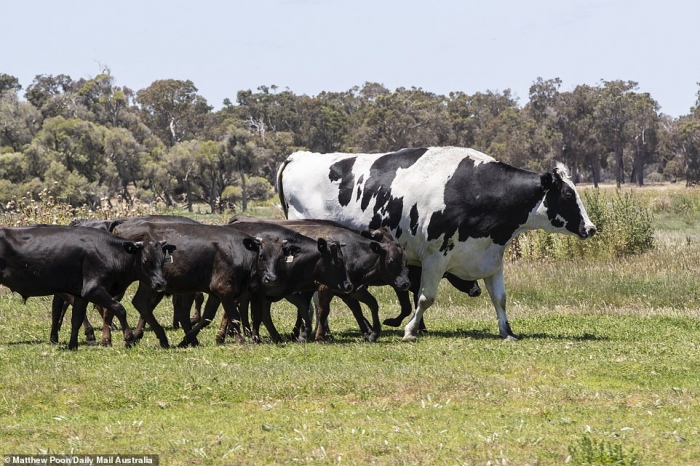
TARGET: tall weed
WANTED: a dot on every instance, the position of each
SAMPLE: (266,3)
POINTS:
(46,210)
(624,227)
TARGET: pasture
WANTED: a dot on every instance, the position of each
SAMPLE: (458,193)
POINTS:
(606,371)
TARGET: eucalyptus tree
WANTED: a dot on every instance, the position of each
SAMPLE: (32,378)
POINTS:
(19,121)
(612,113)
(470,116)
(241,148)
(173,110)
(642,130)
(9,83)
(107,103)
(403,118)
(56,96)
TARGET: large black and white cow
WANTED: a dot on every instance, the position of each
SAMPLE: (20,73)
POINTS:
(453,209)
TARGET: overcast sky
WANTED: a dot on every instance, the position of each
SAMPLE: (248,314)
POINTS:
(310,46)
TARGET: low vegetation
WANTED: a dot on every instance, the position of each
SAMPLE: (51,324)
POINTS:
(605,371)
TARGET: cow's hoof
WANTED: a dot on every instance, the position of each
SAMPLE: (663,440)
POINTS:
(129,343)
(510,338)
(392,322)
(106,343)
(409,337)
(91,342)
(371,337)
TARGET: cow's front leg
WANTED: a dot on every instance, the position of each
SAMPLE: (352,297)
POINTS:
(210,308)
(497,290)
(99,295)
(144,301)
(428,290)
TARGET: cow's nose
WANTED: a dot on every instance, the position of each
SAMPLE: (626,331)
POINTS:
(159,285)
(592,230)
(268,279)
(404,285)
(348,287)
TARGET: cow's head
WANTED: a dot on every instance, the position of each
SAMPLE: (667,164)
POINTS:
(276,259)
(392,258)
(152,256)
(332,271)
(563,206)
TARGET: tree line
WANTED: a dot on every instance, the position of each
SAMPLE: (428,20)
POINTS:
(88,139)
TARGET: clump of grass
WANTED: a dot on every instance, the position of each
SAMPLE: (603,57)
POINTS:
(589,452)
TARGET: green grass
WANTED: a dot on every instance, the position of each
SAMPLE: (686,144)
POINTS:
(607,371)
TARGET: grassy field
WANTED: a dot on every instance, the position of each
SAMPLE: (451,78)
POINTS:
(607,371)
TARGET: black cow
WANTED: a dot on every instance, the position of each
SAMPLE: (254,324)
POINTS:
(373,258)
(91,265)
(227,264)
(298,277)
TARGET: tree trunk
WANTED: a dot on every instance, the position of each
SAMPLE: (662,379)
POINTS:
(244,201)
(595,170)
(619,164)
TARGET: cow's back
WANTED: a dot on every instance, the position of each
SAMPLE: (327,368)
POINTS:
(399,190)
(44,260)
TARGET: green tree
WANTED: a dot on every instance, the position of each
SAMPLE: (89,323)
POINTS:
(9,83)
(403,118)
(612,113)
(470,115)
(174,111)
(642,130)
(180,163)
(241,148)
(56,96)
(19,121)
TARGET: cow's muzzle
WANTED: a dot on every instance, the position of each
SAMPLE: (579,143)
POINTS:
(403,285)
(159,285)
(586,231)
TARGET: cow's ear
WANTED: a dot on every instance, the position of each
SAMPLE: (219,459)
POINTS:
(374,235)
(322,245)
(252,244)
(375,247)
(291,250)
(132,248)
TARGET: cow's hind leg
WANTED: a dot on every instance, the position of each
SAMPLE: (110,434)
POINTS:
(59,305)
(369,331)
(77,318)
(302,327)
(497,290)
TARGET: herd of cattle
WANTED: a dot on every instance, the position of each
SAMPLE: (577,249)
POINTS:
(406,219)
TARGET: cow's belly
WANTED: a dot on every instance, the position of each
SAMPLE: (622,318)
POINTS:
(475,259)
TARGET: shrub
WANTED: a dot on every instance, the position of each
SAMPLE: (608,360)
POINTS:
(624,226)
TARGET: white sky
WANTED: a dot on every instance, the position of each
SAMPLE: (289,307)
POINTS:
(309,46)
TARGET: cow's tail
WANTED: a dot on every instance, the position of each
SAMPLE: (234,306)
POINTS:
(280,187)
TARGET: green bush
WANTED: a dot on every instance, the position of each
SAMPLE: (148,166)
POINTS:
(624,227)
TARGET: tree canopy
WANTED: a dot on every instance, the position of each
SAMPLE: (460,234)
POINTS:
(89,139)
